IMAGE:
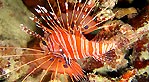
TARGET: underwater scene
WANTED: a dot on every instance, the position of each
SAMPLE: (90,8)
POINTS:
(74,40)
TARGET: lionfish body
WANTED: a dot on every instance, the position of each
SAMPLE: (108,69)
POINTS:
(65,39)
(77,47)
(69,40)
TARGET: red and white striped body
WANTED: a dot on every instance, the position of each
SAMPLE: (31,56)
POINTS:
(64,40)
(65,35)
(77,47)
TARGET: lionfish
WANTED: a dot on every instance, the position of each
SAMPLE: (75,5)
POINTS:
(64,42)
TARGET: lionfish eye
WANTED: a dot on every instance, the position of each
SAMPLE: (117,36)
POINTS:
(44,43)
(51,59)
(86,27)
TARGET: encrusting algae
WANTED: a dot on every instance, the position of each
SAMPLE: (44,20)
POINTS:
(80,41)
